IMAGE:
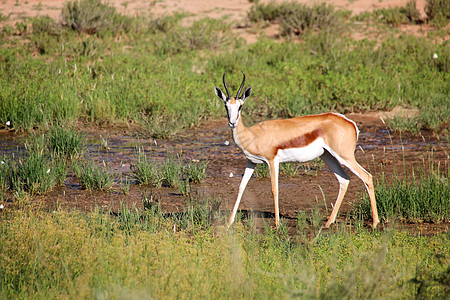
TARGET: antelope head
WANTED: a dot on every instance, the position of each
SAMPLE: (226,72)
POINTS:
(233,105)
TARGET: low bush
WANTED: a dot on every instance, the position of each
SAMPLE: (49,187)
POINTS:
(94,17)
(296,18)
(438,12)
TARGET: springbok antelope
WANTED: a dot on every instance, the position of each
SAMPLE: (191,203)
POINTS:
(330,136)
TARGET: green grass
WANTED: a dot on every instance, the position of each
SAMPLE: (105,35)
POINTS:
(63,142)
(160,74)
(420,195)
(438,12)
(87,255)
(92,176)
(34,173)
(144,170)
(174,172)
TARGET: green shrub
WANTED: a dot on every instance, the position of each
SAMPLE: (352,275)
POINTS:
(173,172)
(207,34)
(195,171)
(303,18)
(296,18)
(391,16)
(94,16)
(45,25)
(411,12)
(438,12)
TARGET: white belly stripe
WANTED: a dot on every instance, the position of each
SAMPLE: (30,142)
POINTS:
(307,153)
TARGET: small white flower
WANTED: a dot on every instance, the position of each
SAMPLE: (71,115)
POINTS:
(48,171)
(2,206)
(123,165)
(227,143)
(8,123)
(231,175)
(2,162)
(435,56)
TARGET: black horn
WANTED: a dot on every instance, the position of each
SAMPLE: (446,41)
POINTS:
(240,88)
(225,85)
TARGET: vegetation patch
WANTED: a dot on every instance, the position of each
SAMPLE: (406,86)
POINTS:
(174,172)
(94,17)
(419,196)
(296,18)
(84,255)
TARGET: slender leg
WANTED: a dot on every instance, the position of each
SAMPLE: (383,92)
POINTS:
(343,184)
(274,166)
(247,175)
(343,179)
(366,177)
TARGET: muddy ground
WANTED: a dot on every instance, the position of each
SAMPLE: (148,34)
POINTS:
(378,150)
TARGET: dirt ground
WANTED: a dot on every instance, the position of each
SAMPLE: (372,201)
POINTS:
(378,150)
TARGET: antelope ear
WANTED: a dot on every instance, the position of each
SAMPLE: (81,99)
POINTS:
(247,93)
(220,94)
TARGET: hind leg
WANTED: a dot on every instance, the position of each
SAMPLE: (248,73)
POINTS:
(366,177)
(343,179)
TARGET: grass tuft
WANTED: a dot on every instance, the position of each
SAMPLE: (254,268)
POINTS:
(418,197)
(92,176)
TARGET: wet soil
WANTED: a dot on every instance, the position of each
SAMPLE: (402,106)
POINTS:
(378,150)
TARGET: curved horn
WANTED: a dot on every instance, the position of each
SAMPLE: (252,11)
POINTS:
(242,85)
(225,84)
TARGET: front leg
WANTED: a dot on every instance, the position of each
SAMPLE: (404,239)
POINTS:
(274,166)
(247,175)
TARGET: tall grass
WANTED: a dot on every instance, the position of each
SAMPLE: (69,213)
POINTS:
(76,255)
(422,195)
(158,75)
(34,173)
(92,176)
